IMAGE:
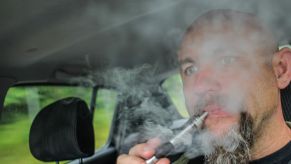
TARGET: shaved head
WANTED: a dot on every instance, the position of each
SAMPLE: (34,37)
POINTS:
(239,24)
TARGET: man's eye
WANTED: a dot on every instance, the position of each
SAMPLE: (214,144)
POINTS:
(190,70)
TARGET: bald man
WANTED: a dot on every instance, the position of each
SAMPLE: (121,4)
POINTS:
(231,67)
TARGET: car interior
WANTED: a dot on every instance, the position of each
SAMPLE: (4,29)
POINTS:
(80,80)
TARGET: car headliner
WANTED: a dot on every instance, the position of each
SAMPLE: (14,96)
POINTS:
(40,38)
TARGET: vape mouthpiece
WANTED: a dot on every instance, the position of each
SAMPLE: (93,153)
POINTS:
(166,148)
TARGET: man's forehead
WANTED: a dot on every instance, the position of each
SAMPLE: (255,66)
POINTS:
(226,30)
(216,44)
(226,19)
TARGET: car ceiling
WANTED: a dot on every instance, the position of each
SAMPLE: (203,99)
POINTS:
(39,38)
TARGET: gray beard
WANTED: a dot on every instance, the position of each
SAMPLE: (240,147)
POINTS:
(235,146)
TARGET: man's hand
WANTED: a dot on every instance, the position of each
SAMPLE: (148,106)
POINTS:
(140,153)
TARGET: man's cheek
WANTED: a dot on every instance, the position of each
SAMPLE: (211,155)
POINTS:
(234,99)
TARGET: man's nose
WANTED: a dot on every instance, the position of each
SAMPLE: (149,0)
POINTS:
(206,80)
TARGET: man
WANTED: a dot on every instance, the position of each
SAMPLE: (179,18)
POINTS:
(231,68)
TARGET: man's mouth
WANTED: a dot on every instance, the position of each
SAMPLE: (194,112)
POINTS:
(216,111)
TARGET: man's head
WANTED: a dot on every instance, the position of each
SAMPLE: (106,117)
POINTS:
(229,63)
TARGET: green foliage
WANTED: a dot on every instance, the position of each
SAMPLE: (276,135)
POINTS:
(16,95)
(14,142)
(105,107)
(174,88)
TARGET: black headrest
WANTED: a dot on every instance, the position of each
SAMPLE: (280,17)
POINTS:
(62,130)
(286,102)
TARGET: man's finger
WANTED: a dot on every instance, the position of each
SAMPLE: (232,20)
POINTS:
(127,159)
(142,150)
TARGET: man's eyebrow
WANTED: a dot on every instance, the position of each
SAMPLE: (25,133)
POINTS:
(185,61)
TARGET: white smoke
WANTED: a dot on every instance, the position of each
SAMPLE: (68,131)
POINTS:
(177,15)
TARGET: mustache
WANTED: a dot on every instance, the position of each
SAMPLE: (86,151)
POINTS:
(233,103)
(204,100)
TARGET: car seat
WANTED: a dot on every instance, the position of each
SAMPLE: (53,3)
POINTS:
(61,131)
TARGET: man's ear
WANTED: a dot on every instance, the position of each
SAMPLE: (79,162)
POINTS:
(282,67)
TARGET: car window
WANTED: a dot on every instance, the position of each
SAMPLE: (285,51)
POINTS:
(23,103)
(105,106)
(174,88)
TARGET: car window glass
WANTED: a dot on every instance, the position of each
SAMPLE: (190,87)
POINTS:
(174,88)
(105,106)
(21,105)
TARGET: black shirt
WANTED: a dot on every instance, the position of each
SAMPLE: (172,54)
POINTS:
(282,156)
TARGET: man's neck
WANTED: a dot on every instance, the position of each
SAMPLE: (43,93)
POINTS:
(275,135)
